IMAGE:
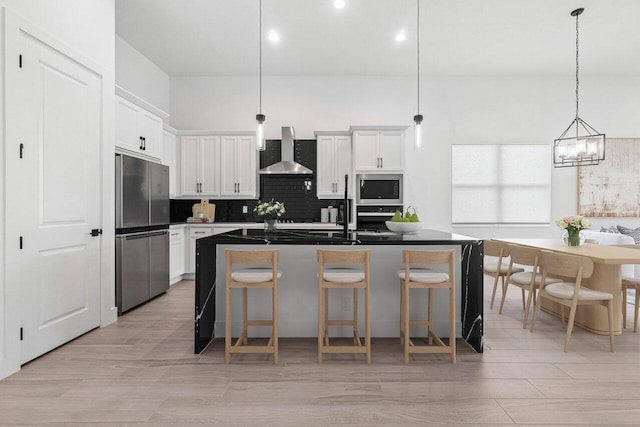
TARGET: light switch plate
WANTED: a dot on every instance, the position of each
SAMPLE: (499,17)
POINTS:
(244,209)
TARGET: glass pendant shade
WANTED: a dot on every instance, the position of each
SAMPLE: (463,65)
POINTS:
(417,142)
(260,142)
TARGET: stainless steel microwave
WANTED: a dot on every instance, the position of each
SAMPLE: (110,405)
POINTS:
(379,189)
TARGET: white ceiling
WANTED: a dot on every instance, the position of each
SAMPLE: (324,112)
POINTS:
(463,37)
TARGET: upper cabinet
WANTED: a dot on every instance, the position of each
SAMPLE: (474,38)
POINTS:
(334,162)
(379,150)
(138,131)
(238,166)
(169,158)
(218,165)
(200,165)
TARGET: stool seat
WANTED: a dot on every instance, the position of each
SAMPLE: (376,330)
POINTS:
(424,275)
(254,275)
(343,275)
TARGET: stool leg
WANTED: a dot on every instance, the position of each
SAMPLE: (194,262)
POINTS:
(227,326)
(635,310)
(356,339)
(452,321)
(624,306)
(326,316)
(405,320)
(430,317)
(367,321)
(320,321)
(274,317)
(401,312)
(245,328)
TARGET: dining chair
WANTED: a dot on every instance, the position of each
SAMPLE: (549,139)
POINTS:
(570,293)
(496,265)
(527,259)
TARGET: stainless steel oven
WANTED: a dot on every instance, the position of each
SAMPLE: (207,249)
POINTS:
(372,218)
(379,189)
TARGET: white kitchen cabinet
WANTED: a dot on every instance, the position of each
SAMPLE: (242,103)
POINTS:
(379,150)
(169,158)
(333,163)
(200,165)
(176,254)
(138,131)
(238,175)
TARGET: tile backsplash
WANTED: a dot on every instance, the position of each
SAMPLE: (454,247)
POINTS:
(299,197)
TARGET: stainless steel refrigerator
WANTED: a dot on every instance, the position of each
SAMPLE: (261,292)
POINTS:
(142,231)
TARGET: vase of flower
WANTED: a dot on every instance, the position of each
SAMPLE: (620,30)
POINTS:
(270,225)
(573,238)
(270,212)
(573,226)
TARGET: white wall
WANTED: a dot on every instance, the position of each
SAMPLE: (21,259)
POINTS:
(87,27)
(137,74)
(457,110)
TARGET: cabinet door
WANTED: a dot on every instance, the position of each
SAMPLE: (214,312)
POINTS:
(366,150)
(150,128)
(391,148)
(246,166)
(326,167)
(210,166)
(343,163)
(176,254)
(126,122)
(228,182)
(169,159)
(189,165)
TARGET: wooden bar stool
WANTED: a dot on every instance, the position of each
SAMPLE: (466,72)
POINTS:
(343,278)
(252,278)
(424,278)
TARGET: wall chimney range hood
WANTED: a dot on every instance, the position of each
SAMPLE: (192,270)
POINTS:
(286,166)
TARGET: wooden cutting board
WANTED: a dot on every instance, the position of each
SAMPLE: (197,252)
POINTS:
(207,209)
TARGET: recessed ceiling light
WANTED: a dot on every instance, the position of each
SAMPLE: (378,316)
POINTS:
(338,4)
(273,36)
(401,36)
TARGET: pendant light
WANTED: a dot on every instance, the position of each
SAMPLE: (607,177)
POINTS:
(417,140)
(260,118)
(587,146)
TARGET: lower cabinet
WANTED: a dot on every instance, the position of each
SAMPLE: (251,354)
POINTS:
(176,255)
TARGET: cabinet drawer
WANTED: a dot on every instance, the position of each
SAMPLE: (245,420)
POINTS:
(200,232)
(176,236)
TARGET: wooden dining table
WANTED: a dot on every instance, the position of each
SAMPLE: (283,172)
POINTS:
(606,277)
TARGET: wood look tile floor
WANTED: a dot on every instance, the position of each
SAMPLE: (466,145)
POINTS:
(141,370)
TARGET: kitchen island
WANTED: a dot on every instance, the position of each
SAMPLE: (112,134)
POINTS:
(298,286)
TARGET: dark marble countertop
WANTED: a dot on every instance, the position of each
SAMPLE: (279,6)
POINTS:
(326,237)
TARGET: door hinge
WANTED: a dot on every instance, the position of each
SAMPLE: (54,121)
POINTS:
(20,242)
(96,232)
(21,149)
(20,60)
(21,334)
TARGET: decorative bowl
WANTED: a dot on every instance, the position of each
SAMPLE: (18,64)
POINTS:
(404,227)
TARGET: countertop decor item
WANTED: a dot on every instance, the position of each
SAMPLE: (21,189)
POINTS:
(270,211)
(404,227)
(572,226)
(586,146)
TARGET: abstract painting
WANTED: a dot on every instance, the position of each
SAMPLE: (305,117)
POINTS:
(612,188)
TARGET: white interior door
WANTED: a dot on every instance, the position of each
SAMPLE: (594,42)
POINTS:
(59,179)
